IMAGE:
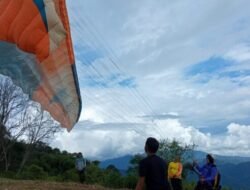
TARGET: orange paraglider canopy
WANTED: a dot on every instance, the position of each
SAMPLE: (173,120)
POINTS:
(36,52)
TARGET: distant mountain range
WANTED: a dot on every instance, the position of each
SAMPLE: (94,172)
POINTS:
(121,163)
(235,171)
(236,176)
(199,155)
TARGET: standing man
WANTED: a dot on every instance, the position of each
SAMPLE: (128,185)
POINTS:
(80,165)
(152,169)
(175,172)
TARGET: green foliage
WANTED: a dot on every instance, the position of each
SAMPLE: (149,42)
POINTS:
(96,162)
(170,150)
(34,172)
(70,175)
(112,168)
(130,181)
(53,163)
(226,188)
(188,185)
(134,164)
(58,178)
(8,174)
(112,179)
(191,185)
(94,175)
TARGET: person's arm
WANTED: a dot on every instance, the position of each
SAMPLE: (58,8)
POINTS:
(169,171)
(179,170)
(142,173)
(140,183)
(196,168)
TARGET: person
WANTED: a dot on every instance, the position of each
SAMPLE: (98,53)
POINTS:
(152,169)
(174,173)
(80,164)
(207,174)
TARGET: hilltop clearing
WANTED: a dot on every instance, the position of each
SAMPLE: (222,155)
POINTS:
(6,184)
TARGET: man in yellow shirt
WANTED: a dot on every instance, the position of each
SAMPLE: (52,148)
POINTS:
(174,173)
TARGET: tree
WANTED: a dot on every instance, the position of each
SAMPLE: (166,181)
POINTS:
(168,150)
(112,168)
(40,127)
(12,104)
(134,164)
(94,175)
(130,181)
(96,162)
(112,179)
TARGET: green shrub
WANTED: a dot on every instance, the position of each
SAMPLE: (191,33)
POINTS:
(8,174)
(112,179)
(188,185)
(94,175)
(130,181)
(34,172)
(70,175)
(57,178)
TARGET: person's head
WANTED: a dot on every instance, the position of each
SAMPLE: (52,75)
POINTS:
(210,159)
(151,145)
(79,155)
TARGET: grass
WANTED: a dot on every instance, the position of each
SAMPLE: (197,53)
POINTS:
(7,184)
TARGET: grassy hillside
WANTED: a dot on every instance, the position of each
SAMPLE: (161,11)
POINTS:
(42,185)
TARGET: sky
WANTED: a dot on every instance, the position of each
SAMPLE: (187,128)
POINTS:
(171,69)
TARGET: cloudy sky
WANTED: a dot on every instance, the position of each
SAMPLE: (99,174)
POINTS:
(176,69)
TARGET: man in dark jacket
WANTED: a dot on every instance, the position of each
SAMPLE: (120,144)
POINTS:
(152,169)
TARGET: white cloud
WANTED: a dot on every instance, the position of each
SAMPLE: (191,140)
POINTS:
(102,141)
(239,53)
(235,142)
(155,42)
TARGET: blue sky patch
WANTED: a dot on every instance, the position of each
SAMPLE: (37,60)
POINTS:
(216,67)
(128,82)
(90,82)
(235,74)
(115,80)
(210,66)
(87,54)
(115,76)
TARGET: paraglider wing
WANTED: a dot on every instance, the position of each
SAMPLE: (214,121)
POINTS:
(36,52)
